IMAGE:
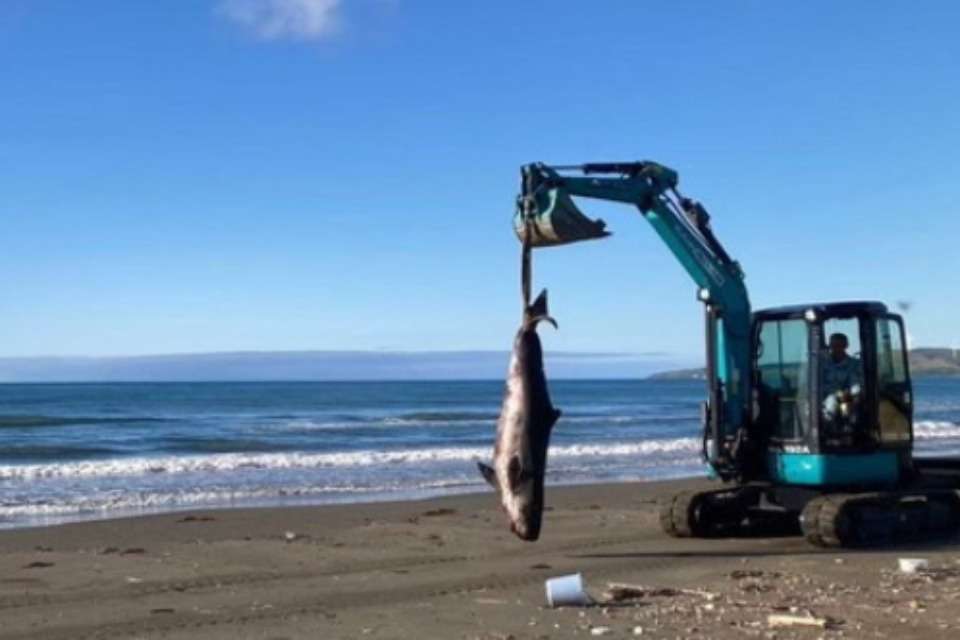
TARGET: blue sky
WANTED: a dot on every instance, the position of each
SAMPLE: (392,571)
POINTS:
(313,174)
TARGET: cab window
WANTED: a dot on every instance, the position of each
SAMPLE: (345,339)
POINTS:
(894,407)
(782,365)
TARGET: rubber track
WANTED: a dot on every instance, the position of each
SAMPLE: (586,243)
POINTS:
(675,515)
(832,520)
(679,516)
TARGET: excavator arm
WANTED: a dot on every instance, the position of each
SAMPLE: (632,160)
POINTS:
(546,211)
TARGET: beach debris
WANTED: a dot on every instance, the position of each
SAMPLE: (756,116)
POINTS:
(913,565)
(290,536)
(540,566)
(442,511)
(108,550)
(132,580)
(196,519)
(161,610)
(43,549)
(755,586)
(39,564)
(601,631)
(619,592)
(638,631)
(567,591)
(133,551)
(781,620)
(741,574)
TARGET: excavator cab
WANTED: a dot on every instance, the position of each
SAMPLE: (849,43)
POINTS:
(835,416)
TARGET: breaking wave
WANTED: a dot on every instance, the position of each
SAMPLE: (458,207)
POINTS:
(935,429)
(466,419)
(299,460)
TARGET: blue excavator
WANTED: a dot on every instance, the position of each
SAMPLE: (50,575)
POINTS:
(808,421)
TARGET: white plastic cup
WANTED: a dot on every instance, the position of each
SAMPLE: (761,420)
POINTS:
(912,565)
(567,591)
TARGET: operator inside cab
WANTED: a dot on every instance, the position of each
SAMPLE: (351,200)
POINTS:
(841,378)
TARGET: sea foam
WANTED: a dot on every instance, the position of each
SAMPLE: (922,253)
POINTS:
(298,460)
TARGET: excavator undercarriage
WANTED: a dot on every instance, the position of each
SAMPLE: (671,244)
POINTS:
(825,519)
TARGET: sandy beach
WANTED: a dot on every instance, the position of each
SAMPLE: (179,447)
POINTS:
(448,568)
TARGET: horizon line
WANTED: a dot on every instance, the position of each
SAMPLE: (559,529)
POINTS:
(646,378)
(234,352)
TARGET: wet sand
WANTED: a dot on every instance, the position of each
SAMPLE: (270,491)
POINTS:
(448,568)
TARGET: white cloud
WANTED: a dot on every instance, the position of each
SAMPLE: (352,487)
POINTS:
(275,19)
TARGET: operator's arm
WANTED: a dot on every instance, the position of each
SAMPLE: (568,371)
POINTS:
(855,375)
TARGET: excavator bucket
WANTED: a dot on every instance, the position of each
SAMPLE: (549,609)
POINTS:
(551,217)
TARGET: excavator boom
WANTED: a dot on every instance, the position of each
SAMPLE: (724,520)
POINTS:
(547,212)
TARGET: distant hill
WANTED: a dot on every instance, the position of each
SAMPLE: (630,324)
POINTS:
(928,361)
(935,362)
(681,374)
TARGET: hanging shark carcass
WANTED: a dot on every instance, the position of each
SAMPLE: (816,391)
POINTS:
(523,429)
(545,216)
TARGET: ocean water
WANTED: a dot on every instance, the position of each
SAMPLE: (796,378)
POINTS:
(82,451)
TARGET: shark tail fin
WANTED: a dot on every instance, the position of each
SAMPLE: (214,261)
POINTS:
(537,312)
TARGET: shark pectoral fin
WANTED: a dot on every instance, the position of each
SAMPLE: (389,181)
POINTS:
(537,311)
(488,474)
